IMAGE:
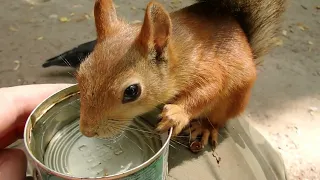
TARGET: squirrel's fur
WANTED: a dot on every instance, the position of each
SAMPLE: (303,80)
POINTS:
(259,19)
(198,61)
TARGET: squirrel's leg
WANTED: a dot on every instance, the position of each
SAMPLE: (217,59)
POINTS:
(189,105)
(209,117)
(205,128)
(208,128)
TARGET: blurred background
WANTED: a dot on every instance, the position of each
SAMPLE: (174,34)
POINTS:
(286,99)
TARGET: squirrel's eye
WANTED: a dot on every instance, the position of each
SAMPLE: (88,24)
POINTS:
(131,93)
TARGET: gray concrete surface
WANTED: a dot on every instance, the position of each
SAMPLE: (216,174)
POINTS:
(286,98)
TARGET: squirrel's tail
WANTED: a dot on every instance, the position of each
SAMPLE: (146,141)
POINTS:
(259,19)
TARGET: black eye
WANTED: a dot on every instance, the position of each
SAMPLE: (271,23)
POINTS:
(131,93)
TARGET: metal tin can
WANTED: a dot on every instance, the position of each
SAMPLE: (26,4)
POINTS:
(59,151)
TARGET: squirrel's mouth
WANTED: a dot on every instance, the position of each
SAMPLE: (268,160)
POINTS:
(112,138)
(106,129)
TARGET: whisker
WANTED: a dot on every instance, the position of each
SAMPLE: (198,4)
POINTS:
(150,147)
(71,75)
(133,142)
(170,144)
(65,61)
(152,132)
(140,130)
(152,135)
(214,128)
(179,143)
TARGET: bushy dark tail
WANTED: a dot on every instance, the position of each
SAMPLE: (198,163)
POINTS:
(259,19)
(73,57)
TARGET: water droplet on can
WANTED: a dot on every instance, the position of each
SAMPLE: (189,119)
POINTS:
(82,147)
(118,151)
(95,165)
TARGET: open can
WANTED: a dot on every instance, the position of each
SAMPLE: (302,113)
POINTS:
(59,151)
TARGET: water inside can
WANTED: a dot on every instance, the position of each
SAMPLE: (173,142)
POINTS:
(57,143)
(69,152)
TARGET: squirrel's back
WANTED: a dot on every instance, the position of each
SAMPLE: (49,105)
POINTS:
(259,20)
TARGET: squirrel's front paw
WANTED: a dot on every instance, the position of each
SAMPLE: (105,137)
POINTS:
(173,116)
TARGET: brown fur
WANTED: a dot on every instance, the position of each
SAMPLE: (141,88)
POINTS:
(258,18)
(197,61)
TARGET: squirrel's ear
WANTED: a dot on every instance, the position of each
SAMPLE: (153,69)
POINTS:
(105,17)
(156,28)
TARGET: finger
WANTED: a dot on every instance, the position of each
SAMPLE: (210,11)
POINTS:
(194,126)
(13,164)
(10,137)
(164,125)
(178,128)
(13,134)
(214,137)
(196,133)
(17,102)
(189,129)
(205,137)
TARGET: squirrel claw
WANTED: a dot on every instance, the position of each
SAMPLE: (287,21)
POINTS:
(214,137)
(173,116)
(206,130)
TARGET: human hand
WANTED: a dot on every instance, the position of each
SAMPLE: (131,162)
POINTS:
(16,104)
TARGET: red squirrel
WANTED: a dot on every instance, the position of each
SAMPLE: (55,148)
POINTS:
(199,61)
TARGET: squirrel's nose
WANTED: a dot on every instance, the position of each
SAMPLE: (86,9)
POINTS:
(85,129)
(88,133)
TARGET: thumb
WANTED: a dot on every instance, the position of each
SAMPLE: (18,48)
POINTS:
(13,164)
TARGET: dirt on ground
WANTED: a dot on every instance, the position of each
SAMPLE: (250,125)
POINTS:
(286,99)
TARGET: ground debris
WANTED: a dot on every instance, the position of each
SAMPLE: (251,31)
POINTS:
(84,17)
(176,1)
(53,16)
(17,65)
(135,22)
(304,7)
(64,19)
(278,41)
(11,28)
(284,32)
(302,27)
(312,110)
(77,6)
(217,157)
(87,16)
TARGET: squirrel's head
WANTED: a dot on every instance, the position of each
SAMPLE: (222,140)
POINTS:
(127,73)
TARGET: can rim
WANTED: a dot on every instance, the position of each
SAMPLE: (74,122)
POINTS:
(73,89)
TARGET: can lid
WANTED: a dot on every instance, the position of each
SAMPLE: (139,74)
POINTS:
(71,153)
(68,154)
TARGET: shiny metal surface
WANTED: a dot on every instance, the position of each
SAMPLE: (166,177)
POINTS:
(60,151)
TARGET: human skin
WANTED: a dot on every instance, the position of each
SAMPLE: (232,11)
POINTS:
(16,104)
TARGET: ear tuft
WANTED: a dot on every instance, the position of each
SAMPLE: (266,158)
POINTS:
(105,17)
(156,28)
